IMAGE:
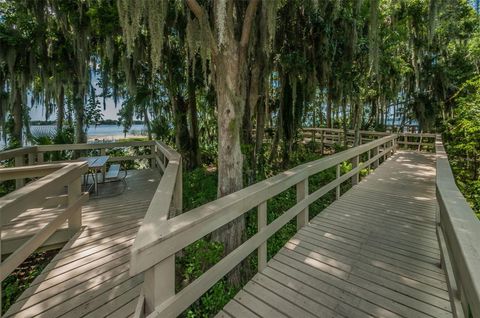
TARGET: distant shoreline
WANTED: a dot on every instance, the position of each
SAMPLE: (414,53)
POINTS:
(103,122)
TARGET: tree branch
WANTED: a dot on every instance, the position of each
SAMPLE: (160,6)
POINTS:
(200,13)
(248,22)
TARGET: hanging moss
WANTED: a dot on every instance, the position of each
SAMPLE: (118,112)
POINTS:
(156,12)
(373,37)
(130,14)
(198,41)
(269,12)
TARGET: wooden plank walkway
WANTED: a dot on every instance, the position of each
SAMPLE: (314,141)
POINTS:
(89,277)
(373,253)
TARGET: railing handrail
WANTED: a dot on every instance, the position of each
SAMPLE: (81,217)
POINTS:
(12,153)
(55,178)
(34,171)
(16,202)
(87,146)
(154,251)
(461,229)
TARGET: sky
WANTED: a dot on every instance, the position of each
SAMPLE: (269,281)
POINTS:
(38,112)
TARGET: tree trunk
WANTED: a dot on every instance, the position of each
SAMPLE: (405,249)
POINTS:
(329,112)
(78,106)
(260,133)
(344,123)
(60,110)
(358,122)
(147,123)
(230,92)
(192,107)
(17,113)
(182,136)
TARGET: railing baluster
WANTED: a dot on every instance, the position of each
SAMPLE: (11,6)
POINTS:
(338,187)
(302,193)
(375,153)
(356,176)
(74,192)
(31,159)
(159,283)
(103,152)
(40,157)
(321,142)
(19,162)
(177,194)
(262,222)
(153,162)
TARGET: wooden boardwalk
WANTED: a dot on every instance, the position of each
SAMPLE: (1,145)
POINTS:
(89,276)
(373,253)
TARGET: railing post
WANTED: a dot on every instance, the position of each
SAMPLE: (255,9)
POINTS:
(302,193)
(153,162)
(159,283)
(178,191)
(262,222)
(19,162)
(103,152)
(375,153)
(40,157)
(74,193)
(338,186)
(321,141)
(355,177)
(31,159)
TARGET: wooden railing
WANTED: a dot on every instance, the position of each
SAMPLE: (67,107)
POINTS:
(34,155)
(158,240)
(330,136)
(458,231)
(58,186)
(166,204)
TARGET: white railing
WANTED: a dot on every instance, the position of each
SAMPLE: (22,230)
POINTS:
(166,203)
(34,155)
(158,240)
(329,136)
(59,185)
(459,236)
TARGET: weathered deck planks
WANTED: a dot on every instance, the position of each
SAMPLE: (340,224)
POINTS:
(374,253)
(89,276)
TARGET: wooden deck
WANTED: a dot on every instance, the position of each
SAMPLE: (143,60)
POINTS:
(89,276)
(373,253)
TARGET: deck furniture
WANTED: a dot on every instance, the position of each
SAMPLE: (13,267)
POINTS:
(95,165)
(113,173)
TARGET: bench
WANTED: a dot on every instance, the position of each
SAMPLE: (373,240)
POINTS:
(114,172)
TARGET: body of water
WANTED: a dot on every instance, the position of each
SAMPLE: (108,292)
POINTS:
(100,132)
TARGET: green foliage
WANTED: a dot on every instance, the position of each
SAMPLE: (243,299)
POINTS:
(199,187)
(23,276)
(93,111)
(462,135)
